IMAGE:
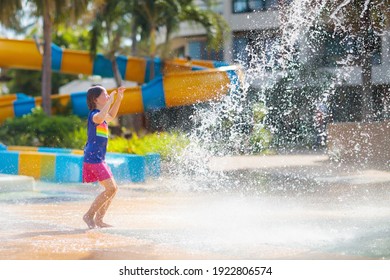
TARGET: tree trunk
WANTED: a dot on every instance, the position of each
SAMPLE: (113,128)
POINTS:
(166,46)
(46,67)
(283,10)
(367,98)
(152,52)
(134,122)
(134,39)
(117,74)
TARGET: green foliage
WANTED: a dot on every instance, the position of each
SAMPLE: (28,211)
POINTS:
(260,137)
(214,24)
(74,37)
(37,129)
(150,17)
(25,81)
(78,136)
(259,113)
(29,81)
(118,145)
(164,143)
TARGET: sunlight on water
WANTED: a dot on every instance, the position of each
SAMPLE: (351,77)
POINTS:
(230,126)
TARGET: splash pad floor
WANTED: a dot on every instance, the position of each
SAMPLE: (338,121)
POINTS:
(274,207)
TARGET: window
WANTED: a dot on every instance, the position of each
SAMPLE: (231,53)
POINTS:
(194,49)
(240,53)
(271,4)
(255,5)
(248,6)
(198,50)
(334,48)
(180,52)
(254,49)
(240,6)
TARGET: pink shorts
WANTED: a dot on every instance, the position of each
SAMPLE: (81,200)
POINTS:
(93,172)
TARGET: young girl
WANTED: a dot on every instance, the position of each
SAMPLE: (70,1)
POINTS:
(94,165)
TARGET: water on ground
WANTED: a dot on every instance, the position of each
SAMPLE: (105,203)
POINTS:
(287,212)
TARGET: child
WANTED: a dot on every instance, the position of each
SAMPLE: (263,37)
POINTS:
(94,165)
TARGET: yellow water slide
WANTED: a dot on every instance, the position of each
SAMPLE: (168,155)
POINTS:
(178,82)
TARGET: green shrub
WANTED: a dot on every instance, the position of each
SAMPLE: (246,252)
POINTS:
(164,143)
(37,129)
(260,137)
(118,145)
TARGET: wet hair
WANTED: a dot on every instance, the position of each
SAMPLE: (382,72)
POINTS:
(92,94)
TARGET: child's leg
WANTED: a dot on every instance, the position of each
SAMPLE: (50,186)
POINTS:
(100,214)
(102,211)
(100,200)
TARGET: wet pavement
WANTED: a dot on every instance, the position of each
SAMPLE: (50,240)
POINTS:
(260,207)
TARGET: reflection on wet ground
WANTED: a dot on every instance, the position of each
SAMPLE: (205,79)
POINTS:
(279,213)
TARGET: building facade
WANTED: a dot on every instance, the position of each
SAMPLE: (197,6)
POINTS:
(255,30)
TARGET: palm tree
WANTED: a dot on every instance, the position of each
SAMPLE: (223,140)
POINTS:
(52,12)
(112,21)
(153,16)
(10,13)
(156,15)
(115,19)
(363,20)
(214,24)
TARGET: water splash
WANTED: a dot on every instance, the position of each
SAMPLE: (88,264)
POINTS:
(278,83)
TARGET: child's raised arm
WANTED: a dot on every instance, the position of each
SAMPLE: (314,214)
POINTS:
(103,114)
(114,109)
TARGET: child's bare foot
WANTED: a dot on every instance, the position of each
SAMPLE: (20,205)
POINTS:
(89,221)
(102,224)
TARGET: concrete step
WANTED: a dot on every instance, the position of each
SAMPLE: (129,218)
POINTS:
(15,183)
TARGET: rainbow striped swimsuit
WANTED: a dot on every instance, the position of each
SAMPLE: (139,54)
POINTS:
(95,149)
